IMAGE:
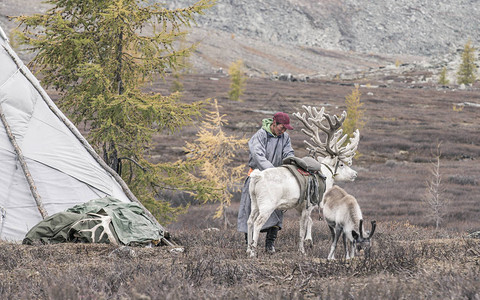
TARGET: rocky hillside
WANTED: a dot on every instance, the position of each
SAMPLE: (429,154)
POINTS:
(322,38)
(390,26)
(331,37)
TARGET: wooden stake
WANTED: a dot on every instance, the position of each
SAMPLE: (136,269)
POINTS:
(23,163)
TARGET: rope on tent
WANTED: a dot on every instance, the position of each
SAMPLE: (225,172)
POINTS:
(23,163)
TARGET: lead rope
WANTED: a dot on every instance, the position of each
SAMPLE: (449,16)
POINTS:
(328,167)
(336,168)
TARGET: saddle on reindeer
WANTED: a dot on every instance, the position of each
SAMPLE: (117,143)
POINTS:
(307,172)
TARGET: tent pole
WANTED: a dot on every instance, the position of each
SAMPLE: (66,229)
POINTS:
(79,136)
(23,163)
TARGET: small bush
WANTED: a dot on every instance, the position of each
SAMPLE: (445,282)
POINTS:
(443,77)
(462,180)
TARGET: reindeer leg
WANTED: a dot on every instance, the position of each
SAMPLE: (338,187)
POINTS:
(303,223)
(346,247)
(305,229)
(352,251)
(308,234)
(257,226)
(251,228)
(336,232)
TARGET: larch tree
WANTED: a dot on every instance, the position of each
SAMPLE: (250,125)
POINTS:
(237,80)
(355,113)
(443,80)
(99,54)
(214,151)
(468,68)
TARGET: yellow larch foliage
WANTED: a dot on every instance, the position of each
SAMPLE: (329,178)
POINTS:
(355,113)
(215,151)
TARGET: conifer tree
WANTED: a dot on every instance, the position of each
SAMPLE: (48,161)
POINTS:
(443,77)
(237,80)
(355,113)
(99,54)
(214,151)
(467,69)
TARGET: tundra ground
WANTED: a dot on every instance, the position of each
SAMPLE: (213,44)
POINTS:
(405,121)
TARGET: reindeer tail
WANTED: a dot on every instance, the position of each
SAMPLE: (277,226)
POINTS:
(255,176)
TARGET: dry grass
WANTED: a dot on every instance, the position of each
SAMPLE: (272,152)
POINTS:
(407,262)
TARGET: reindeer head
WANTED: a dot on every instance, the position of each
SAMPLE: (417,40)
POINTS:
(340,170)
(362,242)
(331,151)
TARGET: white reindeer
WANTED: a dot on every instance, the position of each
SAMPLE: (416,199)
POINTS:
(343,216)
(277,188)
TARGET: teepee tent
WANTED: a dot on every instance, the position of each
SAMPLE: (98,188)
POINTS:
(47,166)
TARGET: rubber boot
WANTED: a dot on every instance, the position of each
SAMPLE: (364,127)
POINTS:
(270,239)
(246,238)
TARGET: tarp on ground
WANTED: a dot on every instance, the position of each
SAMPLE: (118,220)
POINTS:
(104,220)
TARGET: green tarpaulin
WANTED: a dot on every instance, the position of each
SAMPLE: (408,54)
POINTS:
(104,220)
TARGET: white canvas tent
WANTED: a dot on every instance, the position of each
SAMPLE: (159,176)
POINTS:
(46,166)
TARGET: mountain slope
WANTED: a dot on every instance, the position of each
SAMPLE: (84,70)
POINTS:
(322,38)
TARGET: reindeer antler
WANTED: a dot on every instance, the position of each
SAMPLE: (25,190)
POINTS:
(104,222)
(333,131)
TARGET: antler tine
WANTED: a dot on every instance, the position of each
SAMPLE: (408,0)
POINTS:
(316,117)
(347,152)
(312,132)
(331,132)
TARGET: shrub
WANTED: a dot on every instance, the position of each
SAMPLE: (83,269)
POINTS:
(443,77)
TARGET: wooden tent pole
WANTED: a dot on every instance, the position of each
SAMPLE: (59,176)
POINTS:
(23,163)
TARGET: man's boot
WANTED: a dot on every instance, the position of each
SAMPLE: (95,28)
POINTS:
(270,239)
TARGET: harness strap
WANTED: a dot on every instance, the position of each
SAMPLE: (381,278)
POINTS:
(328,167)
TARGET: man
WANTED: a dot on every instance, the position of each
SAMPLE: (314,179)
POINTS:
(268,147)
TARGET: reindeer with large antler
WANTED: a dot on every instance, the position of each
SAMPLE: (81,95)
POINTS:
(277,188)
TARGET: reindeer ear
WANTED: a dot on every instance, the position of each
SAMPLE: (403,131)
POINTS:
(374,225)
(355,235)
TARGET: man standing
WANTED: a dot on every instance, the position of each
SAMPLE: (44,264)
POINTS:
(268,147)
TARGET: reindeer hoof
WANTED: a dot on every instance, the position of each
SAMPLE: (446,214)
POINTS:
(251,252)
(309,243)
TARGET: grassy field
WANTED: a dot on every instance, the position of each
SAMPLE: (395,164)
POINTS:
(405,121)
(407,262)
